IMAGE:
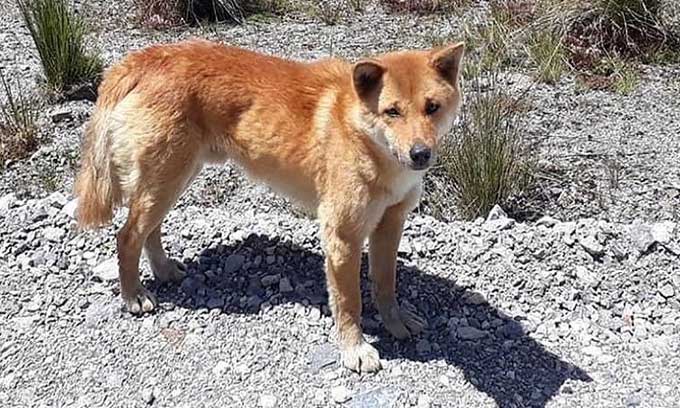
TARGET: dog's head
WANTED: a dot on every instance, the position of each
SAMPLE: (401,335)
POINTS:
(409,101)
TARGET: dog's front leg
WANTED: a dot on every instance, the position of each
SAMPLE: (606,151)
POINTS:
(383,245)
(343,261)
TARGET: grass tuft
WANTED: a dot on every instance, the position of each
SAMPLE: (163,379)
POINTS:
(59,37)
(484,161)
(547,53)
(18,129)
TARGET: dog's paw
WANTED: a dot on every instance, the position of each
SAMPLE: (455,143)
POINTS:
(362,358)
(140,301)
(401,322)
(169,271)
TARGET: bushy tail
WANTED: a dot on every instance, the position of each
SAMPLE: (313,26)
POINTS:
(97,185)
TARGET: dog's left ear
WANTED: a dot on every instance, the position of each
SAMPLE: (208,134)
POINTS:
(367,77)
(448,61)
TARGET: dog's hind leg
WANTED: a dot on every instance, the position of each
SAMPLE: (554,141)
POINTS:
(163,267)
(159,184)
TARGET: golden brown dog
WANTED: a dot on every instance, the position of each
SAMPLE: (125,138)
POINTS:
(349,141)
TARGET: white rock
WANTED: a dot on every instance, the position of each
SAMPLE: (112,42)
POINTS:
(499,224)
(70,208)
(7,201)
(340,394)
(319,395)
(57,199)
(424,401)
(148,395)
(592,351)
(396,371)
(242,368)
(107,270)
(496,213)
(220,368)
(584,275)
(566,228)
(267,401)
(591,246)
(547,221)
(53,234)
(667,291)
(663,231)
(606,359)
(641,234)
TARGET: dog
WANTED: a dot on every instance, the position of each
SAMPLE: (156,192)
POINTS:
(348,141)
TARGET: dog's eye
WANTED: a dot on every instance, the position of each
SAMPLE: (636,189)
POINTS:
(392,112)
(431,108)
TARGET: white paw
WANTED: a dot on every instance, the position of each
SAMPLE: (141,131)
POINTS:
(362,358)
(140,301)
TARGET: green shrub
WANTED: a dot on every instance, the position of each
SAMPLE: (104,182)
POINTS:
(18,129)
(59,36)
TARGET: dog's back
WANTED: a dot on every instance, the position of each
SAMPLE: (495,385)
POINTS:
(191,103)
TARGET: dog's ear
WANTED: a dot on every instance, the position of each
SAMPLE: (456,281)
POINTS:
(448,61)
(367,77)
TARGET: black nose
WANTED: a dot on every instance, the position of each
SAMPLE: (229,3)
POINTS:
(420,155)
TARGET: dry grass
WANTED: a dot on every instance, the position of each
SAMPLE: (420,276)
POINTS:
(513,13)
(424,6)
(487,48)
(357,5)
(594,29)
(173,13)
(547,53)
(329,12)
(18,129)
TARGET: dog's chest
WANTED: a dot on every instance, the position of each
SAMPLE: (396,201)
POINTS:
(398,188)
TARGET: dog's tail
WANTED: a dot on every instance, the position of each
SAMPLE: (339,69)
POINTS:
(97,185)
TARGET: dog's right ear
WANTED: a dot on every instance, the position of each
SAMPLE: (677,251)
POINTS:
(367,76)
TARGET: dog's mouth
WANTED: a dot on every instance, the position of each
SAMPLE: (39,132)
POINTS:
(420,166)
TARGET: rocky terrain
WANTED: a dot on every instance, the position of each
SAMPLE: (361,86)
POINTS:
(579,308)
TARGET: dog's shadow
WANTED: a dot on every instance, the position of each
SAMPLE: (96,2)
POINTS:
(498,358)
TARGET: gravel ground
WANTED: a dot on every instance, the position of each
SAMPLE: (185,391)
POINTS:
(580,308)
